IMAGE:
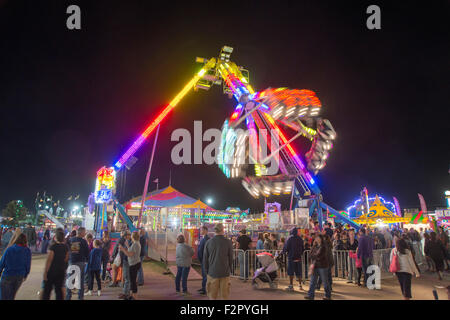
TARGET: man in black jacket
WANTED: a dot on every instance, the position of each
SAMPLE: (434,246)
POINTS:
(218,262)
(30,232)
(294,249)
(200,249)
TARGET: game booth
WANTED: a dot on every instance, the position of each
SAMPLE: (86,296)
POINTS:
(379,215)
(170,210)
(417,221)
(443,218)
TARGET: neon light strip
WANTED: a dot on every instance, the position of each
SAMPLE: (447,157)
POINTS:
(371,199)
(139,141)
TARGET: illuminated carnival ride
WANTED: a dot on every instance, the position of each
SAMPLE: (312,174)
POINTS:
(251,139)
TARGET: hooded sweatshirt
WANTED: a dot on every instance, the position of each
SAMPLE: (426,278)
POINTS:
(294,246)
(16,261)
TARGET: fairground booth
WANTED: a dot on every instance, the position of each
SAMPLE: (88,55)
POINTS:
(170,209)
(417,221)
(379,215)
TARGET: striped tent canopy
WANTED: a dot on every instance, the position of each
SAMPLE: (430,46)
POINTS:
(168,197)
(378,213)
(198,204)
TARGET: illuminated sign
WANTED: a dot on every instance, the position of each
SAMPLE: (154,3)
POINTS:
(105,184)
(442,214)
(103,195)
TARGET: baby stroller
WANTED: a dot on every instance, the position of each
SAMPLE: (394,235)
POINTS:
(268,272)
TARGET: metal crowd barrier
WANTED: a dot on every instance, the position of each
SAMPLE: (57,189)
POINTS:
(245,263)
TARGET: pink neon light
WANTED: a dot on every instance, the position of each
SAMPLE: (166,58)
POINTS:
(139,141)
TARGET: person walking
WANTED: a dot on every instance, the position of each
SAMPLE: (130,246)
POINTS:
(94,267)
(387,238)
(273,238)
(365,252)
(281,243)
(260,242)
(406,267)
(443,237)
(14,237)
(319,267)
(200,250)
(331,262)
(124,243)
(45,240)
(106,247)
(6,238)
(132,252)
(143,242)
(218,262)
(294,249)
(436,251)
(352,245)
(116,259)
(268,244)
(30,232)
(14,268)
(55,268)
(79,255)
(184,254)
(40,238)
(90,241)
(244,243)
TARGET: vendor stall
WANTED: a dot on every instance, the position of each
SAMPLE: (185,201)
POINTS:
(379,215)
(417,221)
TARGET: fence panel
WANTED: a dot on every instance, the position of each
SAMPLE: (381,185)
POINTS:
(238,263)
(245,264)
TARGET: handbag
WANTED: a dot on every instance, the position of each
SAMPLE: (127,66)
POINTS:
(117,260)
(394,266)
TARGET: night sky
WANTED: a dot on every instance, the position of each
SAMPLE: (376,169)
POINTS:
(73,101)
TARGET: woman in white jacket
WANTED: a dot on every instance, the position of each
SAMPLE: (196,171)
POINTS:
(406,269)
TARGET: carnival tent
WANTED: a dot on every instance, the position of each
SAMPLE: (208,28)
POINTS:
(198,204)
(378,213)
(167,197)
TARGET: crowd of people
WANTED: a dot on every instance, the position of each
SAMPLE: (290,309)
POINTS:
(76,255)
(327,247)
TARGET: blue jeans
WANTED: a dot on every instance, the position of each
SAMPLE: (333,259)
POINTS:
(126,277)
(365,264)
(182,275)
(45,244)
(204,278)
(329,277)
(9,286)
(140,275)
(82,266)
(322,274)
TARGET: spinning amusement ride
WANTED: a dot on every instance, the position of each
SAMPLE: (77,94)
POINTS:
(253,127)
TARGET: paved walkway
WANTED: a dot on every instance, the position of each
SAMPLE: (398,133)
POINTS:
(159,286)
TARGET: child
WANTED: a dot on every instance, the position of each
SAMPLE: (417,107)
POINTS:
(90,241)
(94,266)
(358,265)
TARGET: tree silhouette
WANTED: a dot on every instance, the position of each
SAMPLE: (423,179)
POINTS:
(14,213)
